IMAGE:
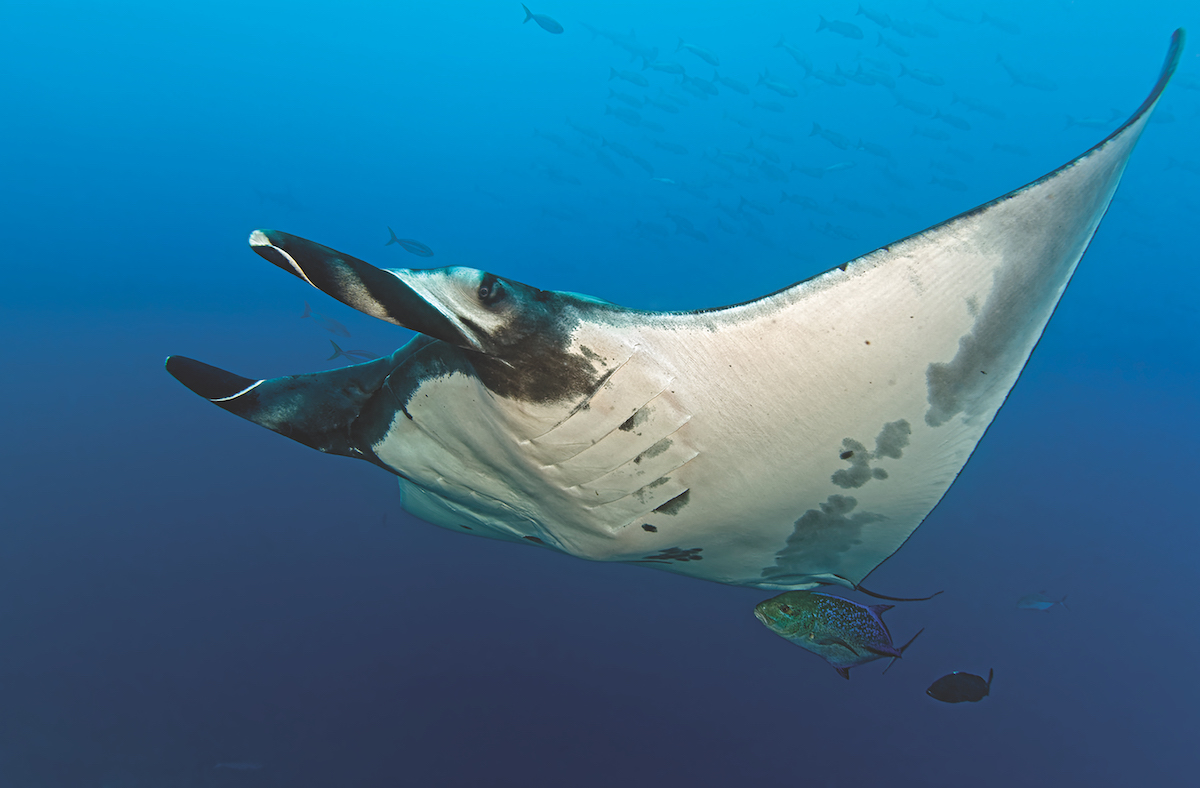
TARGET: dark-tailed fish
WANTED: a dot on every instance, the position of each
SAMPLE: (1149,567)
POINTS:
(762,208)
(617,148)
(733,84)
(665,67)
(903,27)
(928,77)
(682,223)
(880,77)
(892,45)
(913,106)
(584,129)
(928,31)
(734,156)
(650,125)
(631,77)
(693,233)
(800,58)
(327,323)
(1003,25)
(951,14)
(839,141)
(960,687)
(543,21)
(1040,602)
(703,54)
(745,123)
(855,76)
(552,138)
(604,161)
(648,229)
(694,189)
(1029,79)
(703,85)
(351,355)
(623,115)
(878,17)
(841,28)
(875,150)
(409,245)
(842,632)
(782,88)
(664,105)
(772,172)
(625,98)
(952,120)
(978,106)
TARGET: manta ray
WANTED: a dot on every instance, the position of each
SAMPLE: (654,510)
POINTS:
(793,441)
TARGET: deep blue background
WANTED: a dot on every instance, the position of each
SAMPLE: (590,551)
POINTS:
(179,588)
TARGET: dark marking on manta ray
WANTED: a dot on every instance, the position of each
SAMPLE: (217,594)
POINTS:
(639,417)
(676,504)
(649,528)
(469,528)
(820,537)
(533,539)
(890,442)
(672,554)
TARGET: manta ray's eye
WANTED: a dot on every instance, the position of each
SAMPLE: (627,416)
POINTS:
(491,290)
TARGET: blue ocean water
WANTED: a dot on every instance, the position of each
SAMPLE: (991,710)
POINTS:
(189,600)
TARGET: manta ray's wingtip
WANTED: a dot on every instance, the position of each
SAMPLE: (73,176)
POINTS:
(260,238)
(212,383)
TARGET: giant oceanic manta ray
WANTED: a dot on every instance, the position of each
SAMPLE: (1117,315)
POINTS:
(787,442)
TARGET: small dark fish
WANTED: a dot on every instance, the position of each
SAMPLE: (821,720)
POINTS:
(800,58)
(858,207)
(837,80)
(351,355)
(846,234)
(723,225)
(631,77)
(879,77)
(1027,79)
(772,172)
(812,172)
(782,88)
(944,167)
(732,84)
(666,68)
(738,119)
(703,85)
(856,76)
(543,21)
(766,153)
(625,98)
(682,223)
(586,131)
(608,164)
(961,155)
(802,201)
(1012,28)
(928,31)
(623,115)
(680,100)
(913,106)
(952,120)
(959,687)
(892,45)
(648,229)
(703,54)
(878,17)
(766,210)
(327,323)
(665,106)
(832,137)
(409,245)
(554,139)
(895,178)
(740,158)
(978,106)
(875,150)
(841,28)
(650,125)
(949,13)
(928,77)
(903,28)
(1040,602)
(732,213)
(693,189)
(693,233)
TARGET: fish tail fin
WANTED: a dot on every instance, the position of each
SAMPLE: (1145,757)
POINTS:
(879,43)
(903,70)
(1063,602)
(783,196)
(901,649)
(824,23)
(392,233)
(780,43)
(528,13)
(844,673)
(816,129)
(337,351)
(307,311)
(612,72)
(680,46)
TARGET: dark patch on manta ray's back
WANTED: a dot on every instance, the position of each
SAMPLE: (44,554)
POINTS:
(676,504)
(890,442)
(530,358)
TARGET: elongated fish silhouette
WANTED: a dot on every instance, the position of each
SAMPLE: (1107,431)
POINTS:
(787,442)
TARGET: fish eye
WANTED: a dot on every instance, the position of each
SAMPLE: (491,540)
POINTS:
(491,290)
(785,609)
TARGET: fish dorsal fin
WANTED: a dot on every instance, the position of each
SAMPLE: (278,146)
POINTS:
(844,673)
(879,610)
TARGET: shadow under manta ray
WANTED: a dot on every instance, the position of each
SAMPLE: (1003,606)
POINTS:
(783,443)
